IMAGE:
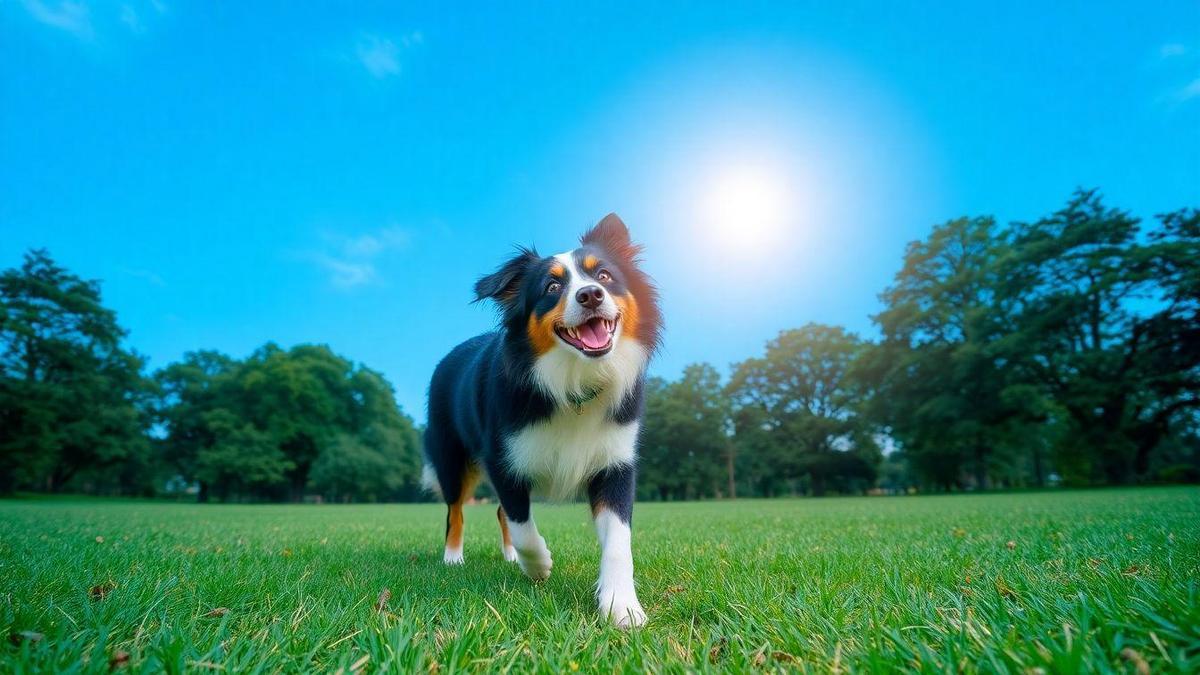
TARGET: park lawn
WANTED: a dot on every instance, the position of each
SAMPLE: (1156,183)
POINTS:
(1062,581)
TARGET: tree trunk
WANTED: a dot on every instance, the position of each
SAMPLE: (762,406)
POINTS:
(980,467)
(297,488)
(202,495)
(818,484)
(732,481)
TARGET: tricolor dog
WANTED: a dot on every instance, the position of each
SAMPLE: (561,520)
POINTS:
(550,404)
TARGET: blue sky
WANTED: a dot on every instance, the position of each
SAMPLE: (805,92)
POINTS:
(305,172)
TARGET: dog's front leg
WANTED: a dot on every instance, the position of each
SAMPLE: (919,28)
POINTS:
(532,554)
(611,495)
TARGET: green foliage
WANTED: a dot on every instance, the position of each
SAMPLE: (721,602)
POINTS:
(686,451)
(284,421)
(945,395)
(72,399)
(1070,345)
(921,584)
(1106,326)
(797,411)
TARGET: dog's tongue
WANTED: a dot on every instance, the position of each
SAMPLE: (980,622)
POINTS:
(592,334)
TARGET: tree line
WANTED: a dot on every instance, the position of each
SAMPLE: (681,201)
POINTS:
(78,411)
(1060,351)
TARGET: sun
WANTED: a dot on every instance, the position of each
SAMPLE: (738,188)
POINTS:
(746,208)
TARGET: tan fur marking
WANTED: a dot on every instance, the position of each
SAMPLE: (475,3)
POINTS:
(454,516)
(541,331)
(629,315)
(504,535)
(557,270)
(590,262)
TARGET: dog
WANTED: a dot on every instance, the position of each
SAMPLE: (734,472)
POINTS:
(551,403)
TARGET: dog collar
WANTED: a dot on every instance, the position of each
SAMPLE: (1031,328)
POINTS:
(578,402)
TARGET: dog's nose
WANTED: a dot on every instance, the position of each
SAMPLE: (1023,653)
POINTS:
(590,296)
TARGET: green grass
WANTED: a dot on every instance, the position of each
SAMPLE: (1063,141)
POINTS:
(1096,580)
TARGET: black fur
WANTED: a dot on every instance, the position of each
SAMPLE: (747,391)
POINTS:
(614,488)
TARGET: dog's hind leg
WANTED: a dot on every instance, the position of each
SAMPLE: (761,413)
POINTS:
(506,546)
(462,490)
(450,472)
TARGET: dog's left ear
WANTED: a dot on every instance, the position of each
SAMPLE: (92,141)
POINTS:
(504,284)
(610,233)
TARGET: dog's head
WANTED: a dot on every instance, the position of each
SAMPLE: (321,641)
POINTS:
(585,303)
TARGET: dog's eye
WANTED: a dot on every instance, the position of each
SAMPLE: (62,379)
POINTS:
(553,287)
(603,276)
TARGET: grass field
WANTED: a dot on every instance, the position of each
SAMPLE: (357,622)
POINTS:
(1064,582)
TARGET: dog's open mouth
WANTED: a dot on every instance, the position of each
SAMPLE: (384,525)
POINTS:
(593,337)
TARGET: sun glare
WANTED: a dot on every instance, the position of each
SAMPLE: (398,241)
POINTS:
(746,209)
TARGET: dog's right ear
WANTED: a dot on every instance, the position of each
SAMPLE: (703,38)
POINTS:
(504,284)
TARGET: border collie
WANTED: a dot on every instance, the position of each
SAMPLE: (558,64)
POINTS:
(550,403)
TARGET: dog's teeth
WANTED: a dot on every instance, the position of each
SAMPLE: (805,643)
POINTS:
(573,333)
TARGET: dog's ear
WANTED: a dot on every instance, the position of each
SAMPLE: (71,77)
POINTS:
(610,233)
(504,284)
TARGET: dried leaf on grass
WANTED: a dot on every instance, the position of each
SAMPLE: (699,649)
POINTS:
(100,591)
(25,636)
(784,657)
(384,596)
(717,651)
(1135,659)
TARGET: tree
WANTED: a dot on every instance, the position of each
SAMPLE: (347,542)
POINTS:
(72,399)
(1108,325)
(189,392)
(284,421)
(241,459)
(945,395)
(685,450)
(1173,331)
(798,408)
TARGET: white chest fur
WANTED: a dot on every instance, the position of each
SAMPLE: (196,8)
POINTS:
(561,453)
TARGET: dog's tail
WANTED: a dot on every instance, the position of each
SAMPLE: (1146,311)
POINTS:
(429,480)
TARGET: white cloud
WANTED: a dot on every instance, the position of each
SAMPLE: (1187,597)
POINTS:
(1172,49)
(381,55)
(129,17)
(76,16)
(72,17)
(350,261)
(377,242)
(345,274)
(1188,92)
(146,275)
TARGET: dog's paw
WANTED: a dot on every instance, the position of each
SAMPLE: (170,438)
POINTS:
(510,553)
(536,562)
(622,609)
(453,557)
